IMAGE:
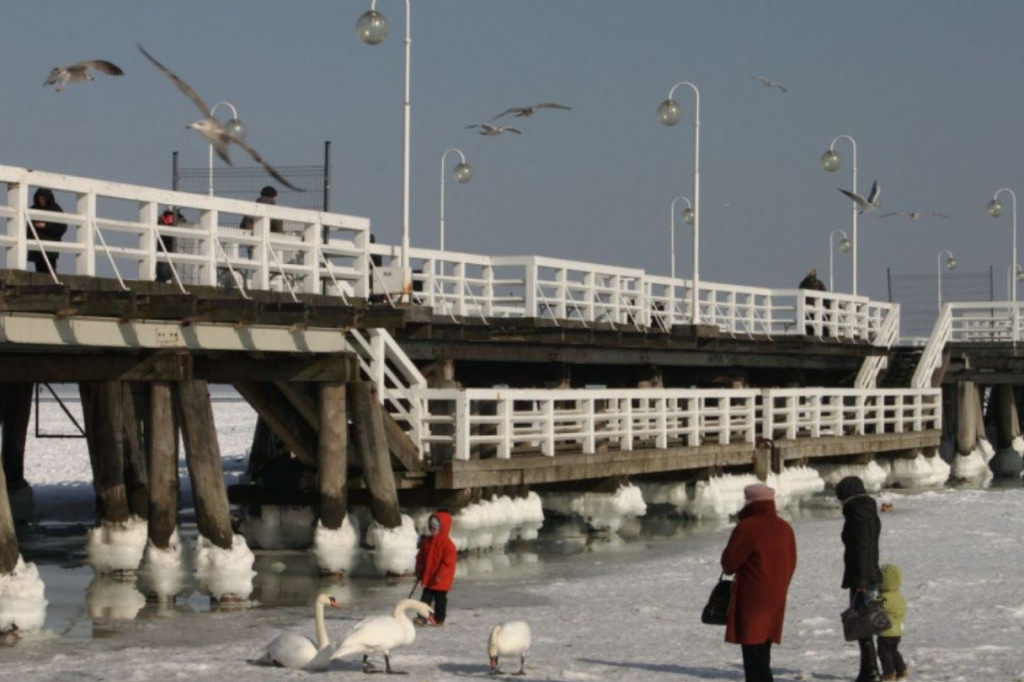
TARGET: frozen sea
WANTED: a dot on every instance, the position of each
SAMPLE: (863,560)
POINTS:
(624,606)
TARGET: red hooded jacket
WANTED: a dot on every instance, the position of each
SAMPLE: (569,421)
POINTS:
(435,562)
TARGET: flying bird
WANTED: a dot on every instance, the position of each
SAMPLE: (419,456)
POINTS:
(488,129)
(521,112)
(212,129)
(76,73)
(768,83)
(864,205)
(914,215)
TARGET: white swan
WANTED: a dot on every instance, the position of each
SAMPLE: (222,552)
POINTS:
(511,638)
(381,634)
(296,651)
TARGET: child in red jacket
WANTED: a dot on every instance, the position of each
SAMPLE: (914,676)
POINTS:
(435,566)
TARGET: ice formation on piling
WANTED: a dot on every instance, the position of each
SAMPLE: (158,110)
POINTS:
(22,600)
(974,466)
(163,573)
(337,551)
(394,548)
(601,511)
(919,472)
(224,573)
(115,547)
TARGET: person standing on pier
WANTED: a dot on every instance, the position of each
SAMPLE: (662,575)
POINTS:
(47,231)
(762,553)
(811,281)
(861,573)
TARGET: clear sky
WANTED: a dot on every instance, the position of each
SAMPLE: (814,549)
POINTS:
(930,90)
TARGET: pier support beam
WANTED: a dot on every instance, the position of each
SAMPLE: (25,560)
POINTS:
(103,412)
(370,442)
(1005,414)
(202,453)
(333,455)
(968,417)
(8,538)
(135,470)
(163,466)
(16,409)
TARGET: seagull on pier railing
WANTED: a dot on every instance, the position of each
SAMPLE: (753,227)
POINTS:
(488,129)
(864,205)
(76,73)
(914,215)
(212,129)
(769,83)
(521,112)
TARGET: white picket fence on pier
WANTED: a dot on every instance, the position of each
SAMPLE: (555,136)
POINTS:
(971,322)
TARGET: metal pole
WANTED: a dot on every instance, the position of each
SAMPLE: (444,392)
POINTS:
(327,176)
(853,208)
(695,290)
(407,117)
(174,171)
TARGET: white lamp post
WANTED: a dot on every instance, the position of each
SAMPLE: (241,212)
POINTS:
(831,161)
(1010,278)
(235,127)
(950,265)
(995,209)
(688,219)
(372,29)
(670,113)
(844,246)
(462,172)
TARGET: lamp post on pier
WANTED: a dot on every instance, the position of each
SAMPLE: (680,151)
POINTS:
(831,162)
(670,113)
(844,246)
(1010,277)
(372,29)
(462,173)
(233,126)
(688,216)
(995,209)
(950,265)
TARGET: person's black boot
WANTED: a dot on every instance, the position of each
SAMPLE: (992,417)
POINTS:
(868,661)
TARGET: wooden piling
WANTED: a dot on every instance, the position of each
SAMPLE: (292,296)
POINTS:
(8,538)
(202,453)
(163,465)
(333,453)
(103,412)
(16,409)
(371,443)
(1005,413)
(967,422)
(135,474)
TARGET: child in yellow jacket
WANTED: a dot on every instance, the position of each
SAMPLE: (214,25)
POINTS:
(893,666)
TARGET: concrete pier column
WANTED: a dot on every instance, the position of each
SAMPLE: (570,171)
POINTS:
(967,419)
(1007,462)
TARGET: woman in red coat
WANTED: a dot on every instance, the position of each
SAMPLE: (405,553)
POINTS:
(435,565)
(762,554)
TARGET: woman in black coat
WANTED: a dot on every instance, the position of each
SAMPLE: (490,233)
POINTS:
(861,574)
(47,231)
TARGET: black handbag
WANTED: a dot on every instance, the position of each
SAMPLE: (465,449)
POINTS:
(717,608)
(865,620)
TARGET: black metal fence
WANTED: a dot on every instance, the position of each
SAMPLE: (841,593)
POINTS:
(918,295)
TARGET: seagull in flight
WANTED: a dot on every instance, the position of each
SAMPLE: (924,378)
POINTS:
(488,129)
(76,73)
(914,215)
(522,112)
(769,83)
(864,205)
(212,129)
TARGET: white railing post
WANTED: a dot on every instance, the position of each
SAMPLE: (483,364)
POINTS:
(85,234)
(547,443)
(148,215)
(461,427)
(505,427)
(661,422)
(530,276)
(625,423)
(589,425)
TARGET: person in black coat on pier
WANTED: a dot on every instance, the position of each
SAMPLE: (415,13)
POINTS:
(861,573)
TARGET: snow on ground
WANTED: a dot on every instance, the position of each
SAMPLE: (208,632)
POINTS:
(622,606)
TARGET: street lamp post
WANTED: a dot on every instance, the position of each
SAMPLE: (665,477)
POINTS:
(670,113)
(831,161)
(844,246)
(1011,279)
(688,219)
(372,29)
(950,265)
(995,209)
(235,127)
(462,172)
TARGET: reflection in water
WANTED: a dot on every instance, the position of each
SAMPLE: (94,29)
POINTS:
(112,598)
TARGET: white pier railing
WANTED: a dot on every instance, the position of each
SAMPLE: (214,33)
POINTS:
(973,322)
(113,232)
(474,423)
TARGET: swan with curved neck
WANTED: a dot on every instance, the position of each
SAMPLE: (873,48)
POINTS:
(511,638)
(295,651)
(381,634)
